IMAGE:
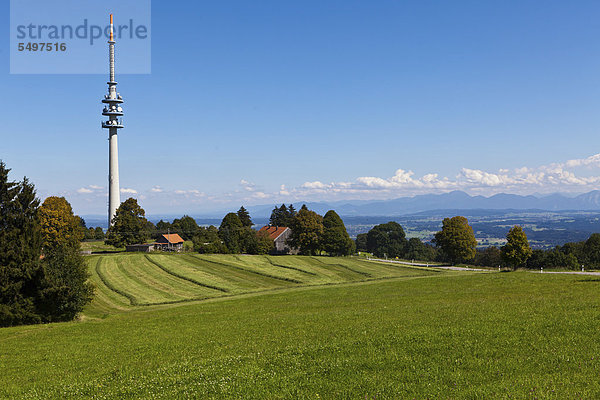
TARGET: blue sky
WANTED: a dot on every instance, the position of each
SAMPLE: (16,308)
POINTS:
(270,101)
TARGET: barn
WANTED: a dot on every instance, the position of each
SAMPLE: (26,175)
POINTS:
(169,242)
(279,235)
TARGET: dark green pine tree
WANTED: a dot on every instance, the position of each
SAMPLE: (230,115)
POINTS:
(20,250)
(244,217)
(274,219)
(230,232)
(281,216)
(292,211)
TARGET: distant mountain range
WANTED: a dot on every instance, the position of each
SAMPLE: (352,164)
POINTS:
(455,200)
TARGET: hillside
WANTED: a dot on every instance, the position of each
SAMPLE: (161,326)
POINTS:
(439,335)
(130,281)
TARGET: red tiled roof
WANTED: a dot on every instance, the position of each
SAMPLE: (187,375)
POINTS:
(273,231)
(173,238)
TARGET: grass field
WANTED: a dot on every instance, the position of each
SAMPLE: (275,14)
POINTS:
(127,281)
(98,246)
(310,328)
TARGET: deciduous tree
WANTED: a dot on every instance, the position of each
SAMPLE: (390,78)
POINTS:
(336,241)
(307,231)
(60,227)
(98,233)
(129,225)
(264,243)
(207,241)
(186,226)
(489,257)
(591,250)
(456,239)
(516,251)
(65,290)
(387,240)
(417,250)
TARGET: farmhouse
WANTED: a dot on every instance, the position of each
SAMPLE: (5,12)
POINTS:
(279,235)
(170,242)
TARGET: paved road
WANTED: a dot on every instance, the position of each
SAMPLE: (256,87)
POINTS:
(568,272)
(477,269)
(427,265)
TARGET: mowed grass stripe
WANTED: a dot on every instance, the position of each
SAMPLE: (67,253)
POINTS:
(105,299)
(242,278)
(144,280)
(156,277)
(232,280)
(385,270)
(180,276)
(107,282)
(337,264)
(401,267)
(327,273)
(374,270)
(343,273)
(277,265)
(263,265)
(119,278)
(146,291)
(251,271)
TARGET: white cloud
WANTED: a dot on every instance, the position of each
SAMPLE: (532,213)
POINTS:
(314,185)
(546,178)
(260,195)
(477,177)
(248,186)
(192,192)
(89,189)
(283,191)
(575,175)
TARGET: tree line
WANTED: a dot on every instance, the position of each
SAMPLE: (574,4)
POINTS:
(571,256)
(455,243)
(43,277)
(312,234)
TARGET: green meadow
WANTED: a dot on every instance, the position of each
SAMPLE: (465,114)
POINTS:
(165,326)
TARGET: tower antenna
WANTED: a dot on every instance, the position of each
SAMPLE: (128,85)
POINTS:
(113,111)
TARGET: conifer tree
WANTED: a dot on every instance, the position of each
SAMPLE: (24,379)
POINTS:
(244,217)
(230,232)
(20,250)
(34,290)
